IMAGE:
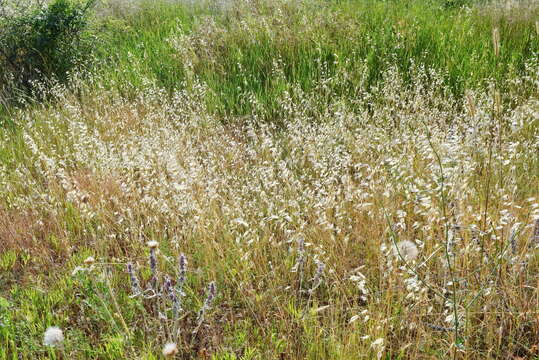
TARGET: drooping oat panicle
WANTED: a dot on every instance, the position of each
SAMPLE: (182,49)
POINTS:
(135,285)
(53,336)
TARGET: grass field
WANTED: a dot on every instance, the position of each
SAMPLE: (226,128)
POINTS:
(277,180)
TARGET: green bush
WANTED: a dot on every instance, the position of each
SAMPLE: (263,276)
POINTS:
(42,44)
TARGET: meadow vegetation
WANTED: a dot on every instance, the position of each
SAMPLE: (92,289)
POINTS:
(270,180)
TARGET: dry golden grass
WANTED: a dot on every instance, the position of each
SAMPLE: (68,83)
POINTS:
(458,180)
(389,222)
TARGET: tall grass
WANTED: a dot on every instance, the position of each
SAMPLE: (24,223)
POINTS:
(388,210)
(233,49)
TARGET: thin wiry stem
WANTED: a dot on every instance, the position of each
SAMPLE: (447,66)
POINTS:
(446,239)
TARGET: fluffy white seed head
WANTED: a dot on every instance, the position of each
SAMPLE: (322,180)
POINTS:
(170,349)
(152,244)
(407,249)
(53,336)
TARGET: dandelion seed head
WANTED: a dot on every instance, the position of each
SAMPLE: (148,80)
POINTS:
(77,270)
(407,249)
(170,349)
(53,336)
(152,244)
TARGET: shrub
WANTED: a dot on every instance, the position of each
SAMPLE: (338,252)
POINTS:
(42,43)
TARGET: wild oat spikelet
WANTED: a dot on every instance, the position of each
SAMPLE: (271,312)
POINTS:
(53,336)
(170,349)
(407,249)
